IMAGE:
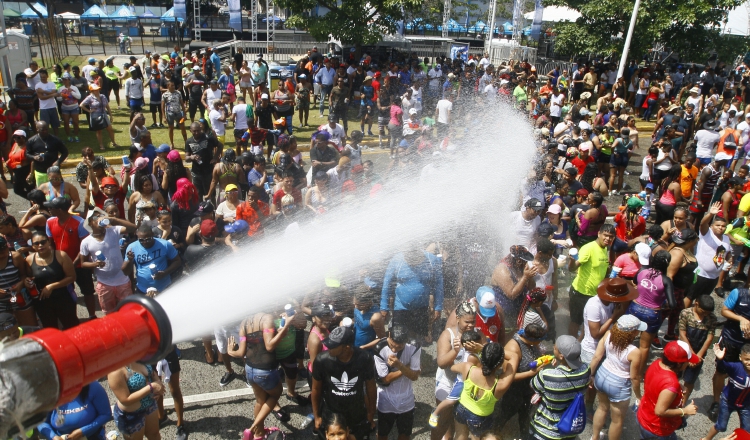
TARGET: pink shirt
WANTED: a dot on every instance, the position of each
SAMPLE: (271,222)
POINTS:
(395,113)
(629,267)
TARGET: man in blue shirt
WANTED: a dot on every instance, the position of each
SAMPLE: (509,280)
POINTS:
(736,394)
(412,277)
(149,251)
(215,60)
(325,77)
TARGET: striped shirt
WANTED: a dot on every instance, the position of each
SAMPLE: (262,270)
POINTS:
(557,387)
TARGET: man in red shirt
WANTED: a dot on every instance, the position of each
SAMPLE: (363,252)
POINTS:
(67,231)
(489,316)
(376,85)
(584,158)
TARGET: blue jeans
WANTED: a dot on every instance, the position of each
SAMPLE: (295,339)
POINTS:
(650,109)
(726,410)
(615,387)
(324,92)
(477,424)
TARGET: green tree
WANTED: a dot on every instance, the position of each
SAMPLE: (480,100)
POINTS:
(688,27)
(350,21)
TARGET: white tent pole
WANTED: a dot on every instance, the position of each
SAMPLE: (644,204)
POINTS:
(624,58)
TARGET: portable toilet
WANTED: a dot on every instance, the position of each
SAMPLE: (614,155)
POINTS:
(15,56)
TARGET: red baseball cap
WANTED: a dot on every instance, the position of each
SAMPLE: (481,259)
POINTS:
(377,75)
(680,352)
(208,228)
(109,181)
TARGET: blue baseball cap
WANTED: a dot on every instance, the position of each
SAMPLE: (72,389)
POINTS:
(236,226)
(650,186)
(163,148)
(486,301)
(92,60)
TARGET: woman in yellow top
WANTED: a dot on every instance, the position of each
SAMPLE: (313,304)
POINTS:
(482,389)
(112,80)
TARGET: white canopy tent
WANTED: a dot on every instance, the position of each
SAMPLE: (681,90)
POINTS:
(738,21)
(69,16)
(555,14)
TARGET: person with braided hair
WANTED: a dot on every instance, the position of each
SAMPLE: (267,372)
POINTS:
(523,348)
(535,311)
(482,389)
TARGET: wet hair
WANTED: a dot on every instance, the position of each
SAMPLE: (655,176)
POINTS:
(338,420)
(37,197)
(607,228)
(363,293)
(706,302)
(653,151)
(465,308)
(470,336)
(144,228)
(53,169)
(655,231)
(544,246)
(493,355)
(140,180)
(598,199)
(8,220)
(660,261)
(745,347)
(38,233)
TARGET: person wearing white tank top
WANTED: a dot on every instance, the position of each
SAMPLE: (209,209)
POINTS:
(618,374)
(546,276)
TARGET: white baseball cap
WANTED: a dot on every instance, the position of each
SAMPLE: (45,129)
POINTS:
(264,96)
(644,253)
(486,300)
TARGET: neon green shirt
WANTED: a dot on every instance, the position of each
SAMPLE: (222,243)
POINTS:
(594,261)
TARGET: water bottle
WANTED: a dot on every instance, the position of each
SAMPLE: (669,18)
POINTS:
(33,291)
(615,272)
(634,406)
(308,421)
(573,254)
(99,256)
(123,242)
(103,223)
(289,312)
(152,268)
(126,162)
(17,247)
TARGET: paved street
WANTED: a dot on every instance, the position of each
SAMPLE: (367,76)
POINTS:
(223,416)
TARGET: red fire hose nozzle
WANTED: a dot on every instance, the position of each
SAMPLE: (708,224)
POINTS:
(48,368)
(139,329)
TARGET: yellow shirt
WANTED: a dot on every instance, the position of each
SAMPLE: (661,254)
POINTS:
(594,261)
(744,203)
(687,179)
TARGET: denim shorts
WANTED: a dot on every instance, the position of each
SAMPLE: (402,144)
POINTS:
(652,318)
(615,387)
(131,422)
(477,424)
(75,111)
(266,379)
(726,410)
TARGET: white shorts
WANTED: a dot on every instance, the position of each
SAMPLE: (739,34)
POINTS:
(245,85)
(316,88)
(223,333)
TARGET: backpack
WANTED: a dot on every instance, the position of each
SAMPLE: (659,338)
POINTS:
(573,420)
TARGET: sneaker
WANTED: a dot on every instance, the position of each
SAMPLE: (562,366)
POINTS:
(627,173)
(670,337)
(656,344)
(369,133)
(154,125)
(75,139)
(281,415)
(161,125)
(70,139)
(720,292)
(181,433)
(613,192)
(227,378)
(433,421)
(713,411)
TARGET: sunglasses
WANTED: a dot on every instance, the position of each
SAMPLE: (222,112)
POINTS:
(145,240)
(40,243)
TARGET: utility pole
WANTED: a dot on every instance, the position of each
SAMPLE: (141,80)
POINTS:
(446,17)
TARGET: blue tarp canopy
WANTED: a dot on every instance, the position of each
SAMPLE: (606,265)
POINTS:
(123,13)
(453,26)
(148,14)
(419,24)
(479,26)
(95,12)
(169,15)
(29,13)
(508,28)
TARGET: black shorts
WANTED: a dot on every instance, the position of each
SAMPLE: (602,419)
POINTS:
(300,344)
(173,361)
(289,365)
(404,423)
(85,281)
(576,305)
(603,158)
(238,133)
(155,107)
(619,160)
(702,286)
(416,320)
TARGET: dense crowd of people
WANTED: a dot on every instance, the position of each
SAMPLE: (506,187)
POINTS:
(674,243)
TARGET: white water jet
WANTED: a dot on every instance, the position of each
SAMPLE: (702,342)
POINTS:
(482,176)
